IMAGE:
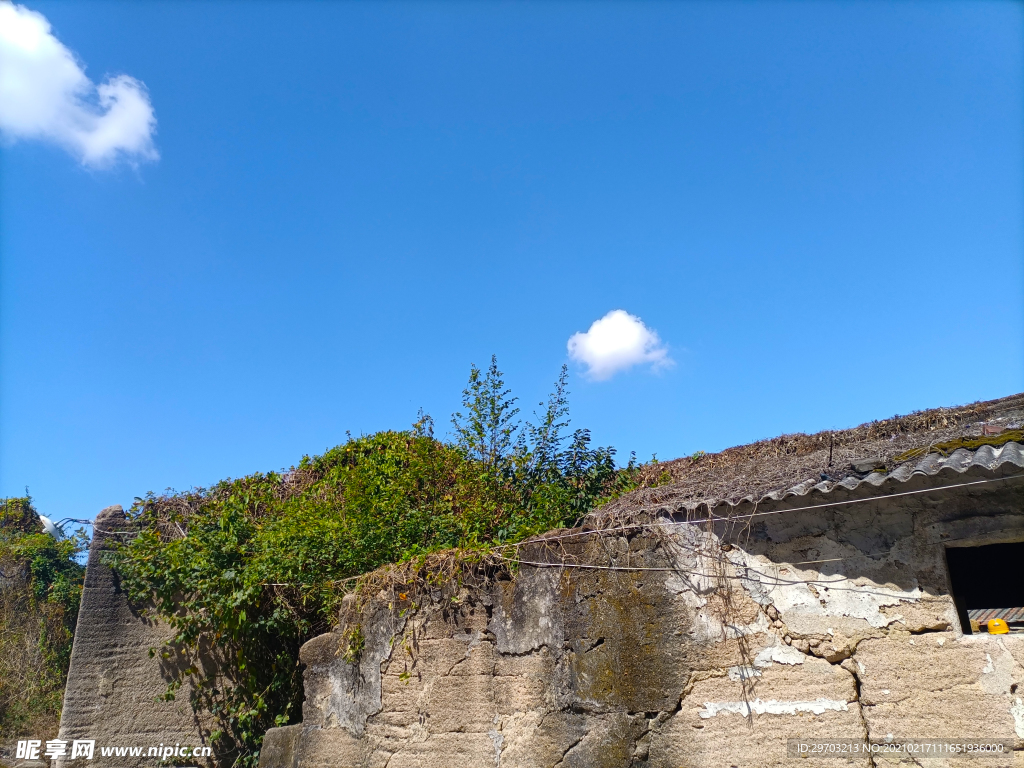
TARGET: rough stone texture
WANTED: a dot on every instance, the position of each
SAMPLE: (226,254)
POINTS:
(113,683)
(828,623)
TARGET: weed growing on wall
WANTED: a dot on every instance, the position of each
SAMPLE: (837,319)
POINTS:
(249,569)
(40,591)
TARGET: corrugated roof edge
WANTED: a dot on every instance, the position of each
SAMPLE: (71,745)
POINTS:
(986,461)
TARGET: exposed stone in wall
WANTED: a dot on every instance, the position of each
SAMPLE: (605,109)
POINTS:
(114,686)
(833,623)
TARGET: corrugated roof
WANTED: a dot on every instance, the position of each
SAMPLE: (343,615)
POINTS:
(987,459)
(981,615)
(745,474)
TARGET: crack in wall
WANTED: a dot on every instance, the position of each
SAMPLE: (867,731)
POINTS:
(850,665)
(569,749)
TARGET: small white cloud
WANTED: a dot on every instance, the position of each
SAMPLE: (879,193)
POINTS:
(616,342)
(45,94)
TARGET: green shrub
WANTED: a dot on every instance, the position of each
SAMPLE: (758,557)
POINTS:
(249,569)
(39,598)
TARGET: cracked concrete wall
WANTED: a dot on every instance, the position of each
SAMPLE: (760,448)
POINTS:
(834,623)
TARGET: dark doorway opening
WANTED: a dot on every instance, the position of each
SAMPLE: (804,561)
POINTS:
(988,582)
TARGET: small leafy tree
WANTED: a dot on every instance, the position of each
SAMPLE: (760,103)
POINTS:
(487,430)
(543,441)
(535,482)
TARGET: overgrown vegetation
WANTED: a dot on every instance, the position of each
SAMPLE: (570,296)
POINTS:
(249,569)
(40,591)
(947,447)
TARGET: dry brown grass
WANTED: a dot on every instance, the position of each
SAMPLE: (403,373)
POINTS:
(437,577)
(27,693)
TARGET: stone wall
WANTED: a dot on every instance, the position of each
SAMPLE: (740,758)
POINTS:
(115,686)
(688,646)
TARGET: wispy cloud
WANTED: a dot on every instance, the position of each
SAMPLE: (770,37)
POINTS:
(616,342)
(45,94)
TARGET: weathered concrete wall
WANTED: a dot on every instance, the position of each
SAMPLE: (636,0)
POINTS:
(114,685)
(826,623)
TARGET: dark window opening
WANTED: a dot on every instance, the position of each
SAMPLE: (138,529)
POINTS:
(988,583)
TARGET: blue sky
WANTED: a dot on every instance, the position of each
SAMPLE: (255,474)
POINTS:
(817,207)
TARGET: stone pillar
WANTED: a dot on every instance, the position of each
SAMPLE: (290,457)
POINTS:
(114,685)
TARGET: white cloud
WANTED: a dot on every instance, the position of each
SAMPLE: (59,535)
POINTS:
(616,342)
(45,94)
